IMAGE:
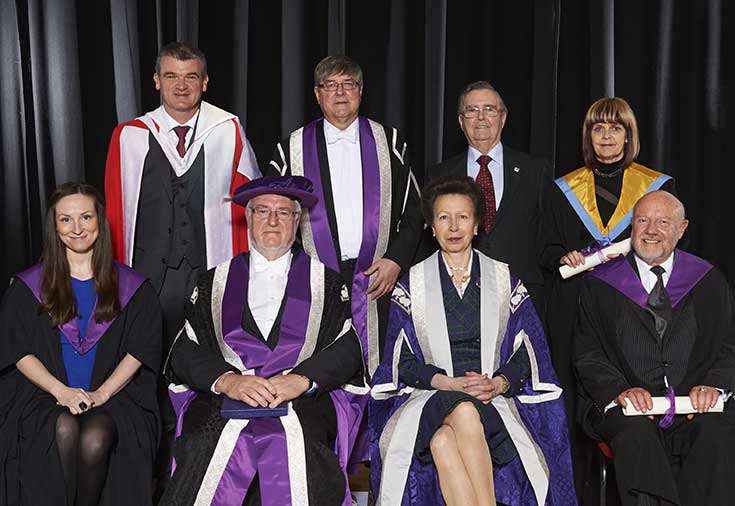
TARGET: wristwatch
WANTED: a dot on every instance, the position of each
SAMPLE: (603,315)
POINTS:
(506,383)
(313,387)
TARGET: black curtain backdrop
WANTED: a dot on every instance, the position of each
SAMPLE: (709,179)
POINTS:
(73,69)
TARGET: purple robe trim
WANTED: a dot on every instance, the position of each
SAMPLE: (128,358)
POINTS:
(261,446)
(370,217)
(545,422)
(128,283)
(254,352)
(267,438)
(687,271)
(318,214)
(239,473)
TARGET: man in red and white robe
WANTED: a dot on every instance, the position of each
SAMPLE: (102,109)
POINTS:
(168,180)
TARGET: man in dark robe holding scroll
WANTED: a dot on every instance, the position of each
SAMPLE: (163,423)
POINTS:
(368,222)
(269,328)
(660,322)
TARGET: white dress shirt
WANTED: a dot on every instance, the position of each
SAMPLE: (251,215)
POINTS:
(648,278)
(266,287)
(495,167)
(345,171)
(171,123)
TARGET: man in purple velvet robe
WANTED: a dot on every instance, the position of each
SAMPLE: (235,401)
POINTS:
(367,224)
(660,323)
(269,328)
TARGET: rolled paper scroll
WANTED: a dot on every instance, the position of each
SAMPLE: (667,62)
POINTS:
(682,403)
(594,256)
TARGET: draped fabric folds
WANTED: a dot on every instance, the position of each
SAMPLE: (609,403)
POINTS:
(72,71)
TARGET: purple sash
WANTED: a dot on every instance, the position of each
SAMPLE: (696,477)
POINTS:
(263,441)
(687,271)
(371,207)
(261,447)
(128,283)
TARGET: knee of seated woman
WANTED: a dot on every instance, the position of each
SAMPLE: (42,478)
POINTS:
(464,416)
(442,439)
(67,427)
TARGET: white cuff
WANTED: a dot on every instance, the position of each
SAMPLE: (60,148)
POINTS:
(215,382)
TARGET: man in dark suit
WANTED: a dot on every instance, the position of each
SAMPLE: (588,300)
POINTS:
(513,183)
(660,323)
(368,223)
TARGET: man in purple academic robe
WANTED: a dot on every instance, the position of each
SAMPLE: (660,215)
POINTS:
(660,323)
(368,223)
(270,329)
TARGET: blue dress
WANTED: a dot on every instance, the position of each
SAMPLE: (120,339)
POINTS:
(79,366)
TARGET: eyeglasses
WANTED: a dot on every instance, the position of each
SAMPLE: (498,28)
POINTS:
(282,213)
(332,86)
(473,111)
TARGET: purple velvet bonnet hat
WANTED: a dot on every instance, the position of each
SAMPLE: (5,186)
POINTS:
(295,187)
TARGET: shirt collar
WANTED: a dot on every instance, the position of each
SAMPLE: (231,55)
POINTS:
(496,153)
(281,265)
(645,269)
(170,123)
(333,134)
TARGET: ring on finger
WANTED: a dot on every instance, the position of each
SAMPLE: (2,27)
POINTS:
(702,389)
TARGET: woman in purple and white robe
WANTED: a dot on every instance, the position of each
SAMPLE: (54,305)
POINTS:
(466,405)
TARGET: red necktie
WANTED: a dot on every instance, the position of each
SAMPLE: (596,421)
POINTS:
(181,133)
(485,180)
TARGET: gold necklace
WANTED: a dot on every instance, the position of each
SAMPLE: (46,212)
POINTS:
(464,270)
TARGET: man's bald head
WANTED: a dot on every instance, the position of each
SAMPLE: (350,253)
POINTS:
(659,221)
(666,199)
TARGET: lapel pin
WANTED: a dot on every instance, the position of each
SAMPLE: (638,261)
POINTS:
(516,169)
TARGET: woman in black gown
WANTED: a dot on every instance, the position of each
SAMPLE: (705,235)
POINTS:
(590,206)
(79,356)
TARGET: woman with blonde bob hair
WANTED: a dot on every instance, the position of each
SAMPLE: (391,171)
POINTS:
(589,208)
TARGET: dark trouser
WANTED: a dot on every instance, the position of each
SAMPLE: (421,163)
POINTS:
(689,464)
(174,296)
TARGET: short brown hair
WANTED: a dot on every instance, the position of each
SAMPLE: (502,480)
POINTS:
(335,65)
(452,185)
(183,52)
(478,85)
(610,110)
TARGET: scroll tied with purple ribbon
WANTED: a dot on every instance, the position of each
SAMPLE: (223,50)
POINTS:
(596,254)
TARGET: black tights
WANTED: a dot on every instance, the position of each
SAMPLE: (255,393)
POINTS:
(84,443)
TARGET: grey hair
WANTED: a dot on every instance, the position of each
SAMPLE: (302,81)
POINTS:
(478,85)
(335,65)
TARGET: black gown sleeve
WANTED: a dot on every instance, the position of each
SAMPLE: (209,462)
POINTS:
(191,361)
(722,373)
(335,365)
(599,377)
(144,331)
(19,309)
(339,360)
(403,247)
